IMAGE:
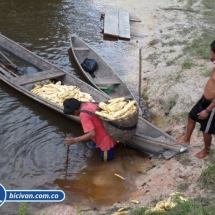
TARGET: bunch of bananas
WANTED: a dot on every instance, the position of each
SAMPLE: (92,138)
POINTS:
(57,93)
(166,205)
(116,108)
(162,206)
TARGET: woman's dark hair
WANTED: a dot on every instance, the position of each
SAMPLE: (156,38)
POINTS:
(71,105)
(213,46)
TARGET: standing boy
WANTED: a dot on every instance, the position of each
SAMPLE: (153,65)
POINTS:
(204,113)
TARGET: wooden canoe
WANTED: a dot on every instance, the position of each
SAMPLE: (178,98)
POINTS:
(104,78)
(148,138)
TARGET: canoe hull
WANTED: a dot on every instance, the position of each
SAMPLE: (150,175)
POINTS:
(148,137)
(104,77)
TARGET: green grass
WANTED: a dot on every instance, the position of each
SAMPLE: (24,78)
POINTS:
(212,157)
(178,76)
(187,65)
(171,103)
(171,43)
(190,207)
(207,178)
(206,73)
(210,4)
(23,209)
(183,159)
(153,58)
(186,161)
(170,62)
(208,13)
(183,186)
(184,115)
(200,46)
(78,209)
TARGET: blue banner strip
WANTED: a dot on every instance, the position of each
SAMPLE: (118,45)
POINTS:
(34,196)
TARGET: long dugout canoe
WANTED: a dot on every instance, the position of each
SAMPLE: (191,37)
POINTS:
(148,138)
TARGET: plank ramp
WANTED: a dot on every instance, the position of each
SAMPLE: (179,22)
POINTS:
(39,76)
(111,23)
(116,23)
(124,25)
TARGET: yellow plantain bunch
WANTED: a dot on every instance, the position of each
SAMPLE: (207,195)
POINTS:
(162,206)
(168,204)
(57,93)
(116,108)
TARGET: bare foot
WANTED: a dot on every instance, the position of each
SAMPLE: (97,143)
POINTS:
(181,140)
(202,154)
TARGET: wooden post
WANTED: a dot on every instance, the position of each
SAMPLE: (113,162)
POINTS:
(140,70)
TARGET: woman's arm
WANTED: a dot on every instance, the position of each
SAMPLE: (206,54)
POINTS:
(87,136)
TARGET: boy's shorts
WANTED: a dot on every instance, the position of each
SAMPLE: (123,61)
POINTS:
(104,155)
(107,155)
(208,124)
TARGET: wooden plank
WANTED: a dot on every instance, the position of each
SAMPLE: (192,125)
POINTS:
(39,76)
(124,25)
(4,72)
(106,81)
(111,23)
(81,49)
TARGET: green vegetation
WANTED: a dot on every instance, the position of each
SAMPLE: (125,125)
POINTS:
(207,13)
(153,58)
(170,62)
(183,159)
(207,178)
(190,207)
(23,209)
(178,76)
(187,65)
(212,157)
(209,4)
(170,43)
(186,161)
(183,186)
(172,102)
(206,73)
(78,209)
(184,115)
(201,45)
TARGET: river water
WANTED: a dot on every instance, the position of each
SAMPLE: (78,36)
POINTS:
(33,154)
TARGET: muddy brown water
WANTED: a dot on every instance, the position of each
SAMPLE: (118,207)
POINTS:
(33,154)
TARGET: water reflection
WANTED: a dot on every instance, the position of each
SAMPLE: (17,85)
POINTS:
(33,154)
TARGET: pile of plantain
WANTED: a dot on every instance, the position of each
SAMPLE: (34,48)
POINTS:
(57,93)
(166,205)
(116,108)
(162,206)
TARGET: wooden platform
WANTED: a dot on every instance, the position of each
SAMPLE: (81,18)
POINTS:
(116,23)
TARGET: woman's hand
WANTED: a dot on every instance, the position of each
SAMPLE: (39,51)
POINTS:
(70,140)
(87,136)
